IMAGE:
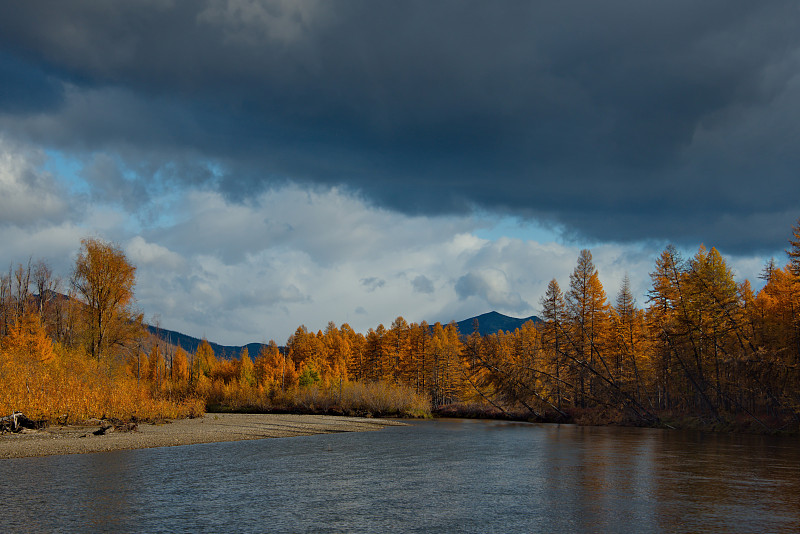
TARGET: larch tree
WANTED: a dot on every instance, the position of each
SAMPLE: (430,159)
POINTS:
(447,379)
(202,365)
(623,319)
(376,355)
(305,348)
(554,311)
(629,341)
(246,371)
(712,317)
(338,353)
(588,316)
(794,268)
(355,356)
(419,341)
(180,366)
(274,370)
(156,367)
(664,300)
(794,250)
(399,348)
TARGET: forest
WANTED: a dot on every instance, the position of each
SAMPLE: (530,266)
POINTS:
(704,351)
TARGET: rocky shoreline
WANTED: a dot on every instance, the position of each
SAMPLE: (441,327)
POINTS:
(207,429)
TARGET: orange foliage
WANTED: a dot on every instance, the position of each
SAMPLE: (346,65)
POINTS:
(47,381)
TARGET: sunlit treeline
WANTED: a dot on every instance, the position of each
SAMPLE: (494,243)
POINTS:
(701,348)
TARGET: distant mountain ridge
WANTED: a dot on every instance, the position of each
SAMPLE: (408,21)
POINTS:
(488,323)
(493,322)
(190,344)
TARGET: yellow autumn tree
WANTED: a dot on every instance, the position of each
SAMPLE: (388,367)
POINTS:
(628,345)
(27,340)
(105,279)
(338,353)
(180,366)
(794,250)
(398,348)
(554,342)
(274,371)
(246,370)
(588,319)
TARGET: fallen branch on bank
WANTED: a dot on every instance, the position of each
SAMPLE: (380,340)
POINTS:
(17,421)
(106,427)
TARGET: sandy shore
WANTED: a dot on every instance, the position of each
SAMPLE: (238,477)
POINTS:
(208,429)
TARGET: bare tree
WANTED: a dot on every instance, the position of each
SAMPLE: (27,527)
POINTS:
(46,285)
(22,278)
(6,303)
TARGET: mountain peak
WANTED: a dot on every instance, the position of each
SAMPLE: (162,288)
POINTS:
(492,322)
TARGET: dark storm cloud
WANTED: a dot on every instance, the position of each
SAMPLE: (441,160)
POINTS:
(24,87)
(616,120)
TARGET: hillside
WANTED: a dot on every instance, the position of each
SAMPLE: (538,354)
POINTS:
(190,344)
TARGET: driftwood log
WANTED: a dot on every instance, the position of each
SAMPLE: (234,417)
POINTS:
(17,421)
(107,427)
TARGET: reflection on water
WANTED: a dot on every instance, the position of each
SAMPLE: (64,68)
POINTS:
(440,476)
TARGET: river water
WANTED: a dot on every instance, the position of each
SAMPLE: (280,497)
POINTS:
(430,476)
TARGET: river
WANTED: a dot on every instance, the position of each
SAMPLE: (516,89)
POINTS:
(430,476)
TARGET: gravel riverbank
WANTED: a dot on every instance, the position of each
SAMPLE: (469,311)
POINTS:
(207,429)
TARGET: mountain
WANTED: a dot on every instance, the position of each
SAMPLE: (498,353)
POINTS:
(492,322)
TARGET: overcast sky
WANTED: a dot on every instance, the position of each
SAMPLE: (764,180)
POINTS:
(267,164)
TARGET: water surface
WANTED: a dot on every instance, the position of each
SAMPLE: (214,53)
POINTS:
(431,476)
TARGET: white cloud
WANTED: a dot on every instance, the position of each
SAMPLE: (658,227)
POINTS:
(28,195)
(140,252)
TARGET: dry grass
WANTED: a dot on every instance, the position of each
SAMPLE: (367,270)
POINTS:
(373,399)
(370,398)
